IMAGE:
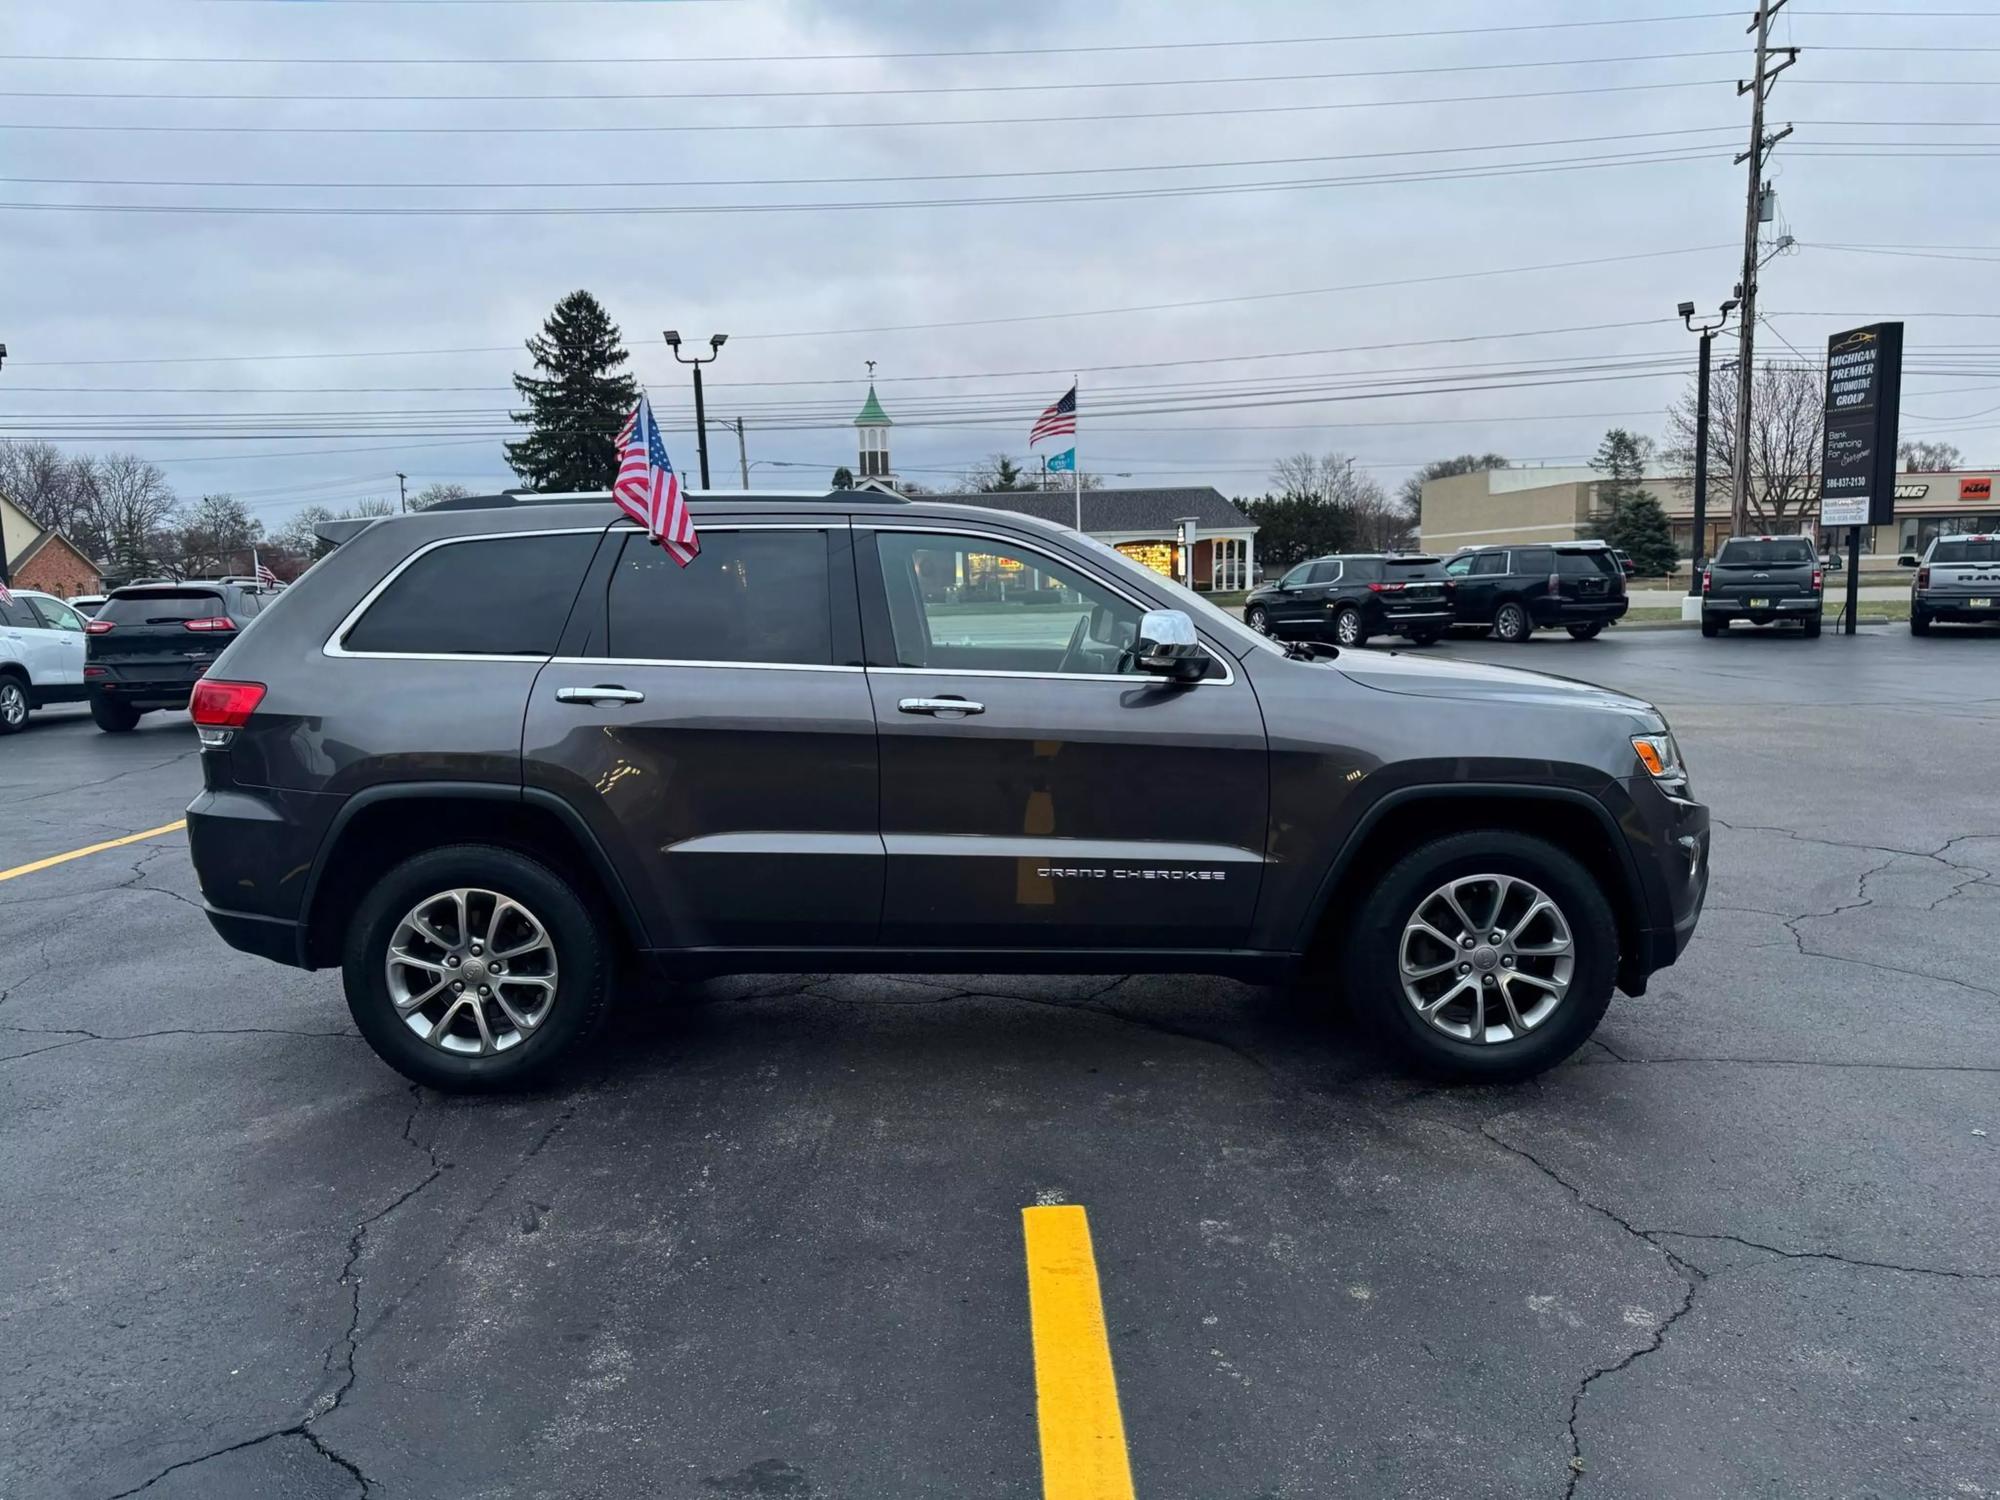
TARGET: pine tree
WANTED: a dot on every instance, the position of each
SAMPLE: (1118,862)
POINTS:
(576,403)
(1622,456)
(843,478)
(1642,533)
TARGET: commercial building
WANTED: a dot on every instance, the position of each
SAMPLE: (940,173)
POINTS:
(1189,532)
(1561,504)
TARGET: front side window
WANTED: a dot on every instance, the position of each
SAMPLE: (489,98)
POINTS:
(1297,577)
(1458,567)
(750,596)
(973,604)
(500,596)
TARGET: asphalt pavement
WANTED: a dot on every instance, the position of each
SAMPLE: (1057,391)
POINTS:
(767,1240)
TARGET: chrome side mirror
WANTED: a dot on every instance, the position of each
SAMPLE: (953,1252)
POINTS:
(1167,646)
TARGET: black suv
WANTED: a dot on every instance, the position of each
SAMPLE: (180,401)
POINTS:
(148,643)
(477,758)
(1347,598)
(1515,591)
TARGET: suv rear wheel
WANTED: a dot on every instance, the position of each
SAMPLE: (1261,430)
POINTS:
(112,717)
(13,704)
(475,968)
(1588,632)
(1485,956)
(1510,623)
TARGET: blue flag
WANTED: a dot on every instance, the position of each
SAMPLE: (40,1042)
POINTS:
(1063,462)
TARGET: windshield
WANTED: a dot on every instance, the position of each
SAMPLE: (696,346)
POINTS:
(1776,553)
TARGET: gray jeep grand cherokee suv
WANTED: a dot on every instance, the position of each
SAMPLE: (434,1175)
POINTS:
(478,756)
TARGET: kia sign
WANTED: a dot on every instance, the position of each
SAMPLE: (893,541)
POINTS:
(1864,389)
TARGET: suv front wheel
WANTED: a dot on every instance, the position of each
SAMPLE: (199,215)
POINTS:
(1485,956)
(475,968)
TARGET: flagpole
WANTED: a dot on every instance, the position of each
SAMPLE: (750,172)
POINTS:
(1075,469)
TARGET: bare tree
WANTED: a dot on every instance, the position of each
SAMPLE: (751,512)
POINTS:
(133,508)
(431,494)
(1929,457)
(53,487)
(1785,438)
(1371,521)
(218,536)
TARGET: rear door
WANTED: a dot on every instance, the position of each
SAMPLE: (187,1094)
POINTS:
(1589,575)
(1757,572)
(159,638)
(713,726)
(1036,792)
(1412,586)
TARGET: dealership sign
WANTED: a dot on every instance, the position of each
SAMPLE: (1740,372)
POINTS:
(1864,388)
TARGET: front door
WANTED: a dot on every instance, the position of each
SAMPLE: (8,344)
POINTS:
(1479,577)
(713,726)
(65,627)
(42,650)
(1036,792)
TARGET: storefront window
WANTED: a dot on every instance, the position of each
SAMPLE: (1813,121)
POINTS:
(1161,557)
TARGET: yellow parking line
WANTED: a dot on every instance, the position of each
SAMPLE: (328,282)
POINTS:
(63,859)
(1076,1393)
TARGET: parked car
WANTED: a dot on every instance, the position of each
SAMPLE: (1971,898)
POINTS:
(1958,581)
(41,656)
(1763,579)
(1625,564)
(787,757)
(1515,591)
(1350,597)
(150,643)
(87,605)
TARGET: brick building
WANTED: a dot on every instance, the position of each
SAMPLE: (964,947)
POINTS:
(41,558)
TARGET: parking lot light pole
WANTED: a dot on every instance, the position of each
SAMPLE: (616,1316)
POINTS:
(1708,331)
(700,412)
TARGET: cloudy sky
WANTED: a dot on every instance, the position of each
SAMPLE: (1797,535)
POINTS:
(1173,200)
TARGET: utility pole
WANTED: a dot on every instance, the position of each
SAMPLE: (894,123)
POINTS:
(1759,89)
(403,490)
(742,453)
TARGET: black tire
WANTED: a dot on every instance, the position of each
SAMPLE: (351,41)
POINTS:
(113,718)
(1812,628)
(1372,963)
(1920,623)
(1348,630)
(1710,627)
(1511,623)
(583,964)
(1428,637)
(1258,619)
(15,701)
(1588,632)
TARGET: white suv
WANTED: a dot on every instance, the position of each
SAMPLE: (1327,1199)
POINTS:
(41,656)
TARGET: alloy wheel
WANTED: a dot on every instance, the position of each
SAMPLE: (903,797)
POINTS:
(1258,620)
(1510,624)
(472,972)
(1486,959)
(1347,627)
(13,705)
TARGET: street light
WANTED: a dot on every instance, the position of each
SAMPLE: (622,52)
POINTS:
(1708,331)
(715,344)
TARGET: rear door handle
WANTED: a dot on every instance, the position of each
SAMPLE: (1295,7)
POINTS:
(602,693)
(935,706)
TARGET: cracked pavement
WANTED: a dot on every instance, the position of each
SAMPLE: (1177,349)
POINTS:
(764,1241)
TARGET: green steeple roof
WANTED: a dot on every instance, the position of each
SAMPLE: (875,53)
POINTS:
(872,414)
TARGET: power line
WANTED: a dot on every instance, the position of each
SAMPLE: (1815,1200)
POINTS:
(830,57)
(1057,86)
(685,127)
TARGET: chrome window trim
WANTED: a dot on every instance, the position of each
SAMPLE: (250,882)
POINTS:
(670,661)
(945,528)
(334,646)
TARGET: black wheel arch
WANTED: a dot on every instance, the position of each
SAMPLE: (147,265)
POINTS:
(386,823)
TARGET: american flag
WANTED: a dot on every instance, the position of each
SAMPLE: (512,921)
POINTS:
(647,488)
(265,577)
(1057,421)
(5,597)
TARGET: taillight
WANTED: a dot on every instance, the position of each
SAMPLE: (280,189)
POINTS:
(1555,583)
(1707,578)
(210,624)
(98,627)
(1817,576)
(1386,588)
(224,705)
(1924,576)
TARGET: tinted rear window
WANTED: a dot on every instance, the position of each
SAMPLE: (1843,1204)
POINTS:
(1534,560)
(751,596)
(505,597)
(1966,552)
(1362,569)
(1594,563)
(1406,569)
(1773,554)
(162,607)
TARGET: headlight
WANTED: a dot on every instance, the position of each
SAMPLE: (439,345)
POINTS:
(1662,759)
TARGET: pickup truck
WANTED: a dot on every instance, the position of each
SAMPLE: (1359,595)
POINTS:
(1958,580)
(1762,579)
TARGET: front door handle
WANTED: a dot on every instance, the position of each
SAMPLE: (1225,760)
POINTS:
(953,707)
(602,693)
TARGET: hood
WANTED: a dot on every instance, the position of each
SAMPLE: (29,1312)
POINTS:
(1443,677)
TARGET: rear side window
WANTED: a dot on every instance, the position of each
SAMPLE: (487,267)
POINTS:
(1362,570)
(1773,554)
(1592,564)
(1966,552)
(507,596)
(162,607)
(1411,569)
(1534,560)
(759,596)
